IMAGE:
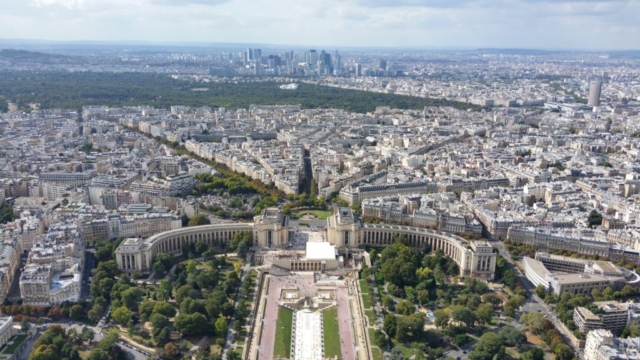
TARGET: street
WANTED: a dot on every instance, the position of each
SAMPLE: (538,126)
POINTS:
(230,339)
(89,264)
(533,302)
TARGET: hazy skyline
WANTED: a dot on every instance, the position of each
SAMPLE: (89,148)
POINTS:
(562,24)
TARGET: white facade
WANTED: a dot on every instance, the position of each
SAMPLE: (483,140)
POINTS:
(475,258)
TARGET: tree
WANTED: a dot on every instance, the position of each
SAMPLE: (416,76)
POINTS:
(627,290)
(87,334)
(422,296)
(191,324)
(131,297)
(630,331)
(541,291)
(221,326)
(96,312)
(518,300)
(509,278)
(242,249)
(162,336)
(24,325)
(512,336)
(98,354)
(423,273)
(201,247)
(464,315)
(191,267)
(380,339)
(484,313)
(536,322)
(199,219)
(388,302)
(534,353)
(595,218)
(164,290)
(442,318)
(490,343)
(492,299)
(182,293)
(76,312)
(405,307)
(397,354)
(233,355)
(390,324)
(563,352)
(161,264)
(164,308)
(239,238)
(170,351)
(145,309)
(121,315)
(158,322)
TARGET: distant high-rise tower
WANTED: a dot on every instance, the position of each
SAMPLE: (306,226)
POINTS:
(594,93)
(337,63)
(249,54)
(312,57)
(358,69)
(257,53)
(383,64)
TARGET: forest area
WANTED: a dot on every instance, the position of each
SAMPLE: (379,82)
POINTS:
(74,90)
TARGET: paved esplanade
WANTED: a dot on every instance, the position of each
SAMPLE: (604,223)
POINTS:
(308,335)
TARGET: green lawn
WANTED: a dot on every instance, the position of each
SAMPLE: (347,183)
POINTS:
(371,333)
(319,214)
(331,333)
(17,341)
(282,346)
(366,301)
(365,288)
(203,265)
(377,354)
(371,316)
(408,352)
(367,293)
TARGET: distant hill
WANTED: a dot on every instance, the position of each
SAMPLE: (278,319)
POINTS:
(517,51)
(23,55)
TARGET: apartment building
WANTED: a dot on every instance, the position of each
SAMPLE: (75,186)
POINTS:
(584,241)
(75,179)
(569,279)
(53,273)
(611,315)
(9,261)
(601,344)
(115,226)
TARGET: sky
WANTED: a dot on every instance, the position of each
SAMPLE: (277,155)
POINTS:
(539,24)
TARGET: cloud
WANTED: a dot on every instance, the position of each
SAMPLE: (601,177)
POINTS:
(69,4)
(189,2)
(482,23)
(467,3)
(415,3)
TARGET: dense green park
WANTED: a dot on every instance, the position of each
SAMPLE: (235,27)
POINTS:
(74,90)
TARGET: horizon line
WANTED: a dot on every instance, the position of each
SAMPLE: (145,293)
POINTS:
(269,45)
